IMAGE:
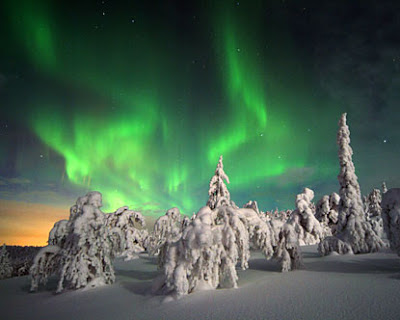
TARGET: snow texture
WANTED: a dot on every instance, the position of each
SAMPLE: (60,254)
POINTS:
(128,233)
(5,264)
(340,287)
(353,233)
(391,217)
(327,213)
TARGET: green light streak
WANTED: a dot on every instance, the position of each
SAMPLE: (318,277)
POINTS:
(134,133)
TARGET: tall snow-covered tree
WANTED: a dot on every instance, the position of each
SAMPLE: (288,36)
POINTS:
(5,264)
(218,192)
(353,233)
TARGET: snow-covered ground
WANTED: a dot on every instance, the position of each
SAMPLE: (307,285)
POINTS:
(364,286)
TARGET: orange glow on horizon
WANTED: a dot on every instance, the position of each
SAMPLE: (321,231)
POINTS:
(28,224)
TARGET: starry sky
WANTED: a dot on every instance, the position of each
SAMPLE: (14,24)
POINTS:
(137,100)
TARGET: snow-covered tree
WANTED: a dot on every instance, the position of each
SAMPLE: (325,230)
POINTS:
(303,219)
(391,217)
(261,232)
(167,229)
(127,229)
(327,213)
(384,188)
(218,192)
(374,212)
(353,233)
(275,238)
(5,264)
(84,257)
(206,255)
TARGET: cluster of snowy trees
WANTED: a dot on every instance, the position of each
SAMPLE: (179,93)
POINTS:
(15,261)
(202,252)
(5,263)
(81,249)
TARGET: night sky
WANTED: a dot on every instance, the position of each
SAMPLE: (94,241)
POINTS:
(137,100)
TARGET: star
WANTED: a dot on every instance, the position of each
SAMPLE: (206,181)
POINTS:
(104,13)
(133,20)
(384,141)
(261,134)
(41,156)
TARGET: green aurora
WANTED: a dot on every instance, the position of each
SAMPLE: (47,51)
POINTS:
(145,116)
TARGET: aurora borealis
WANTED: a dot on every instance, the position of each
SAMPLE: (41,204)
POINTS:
(137,100)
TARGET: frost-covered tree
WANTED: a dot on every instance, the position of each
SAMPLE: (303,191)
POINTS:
(84,258)
(6,268)
(307,227)
(327,213)
(167,229)
(218,192)
(384,188)
(127,229)
(374,212)
(206,255)
(391,217)
(261,232)
(353,233)
(275,238)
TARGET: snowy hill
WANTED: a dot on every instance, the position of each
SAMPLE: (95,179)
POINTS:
(362,286)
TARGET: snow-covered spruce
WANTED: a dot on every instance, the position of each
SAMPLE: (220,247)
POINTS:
(84,258)
(353,234)
(206,255)
(5,264)
(218,192)
(128,234)
(384,187)
(391,217)
(373,212)
(327,213)
(307,227)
